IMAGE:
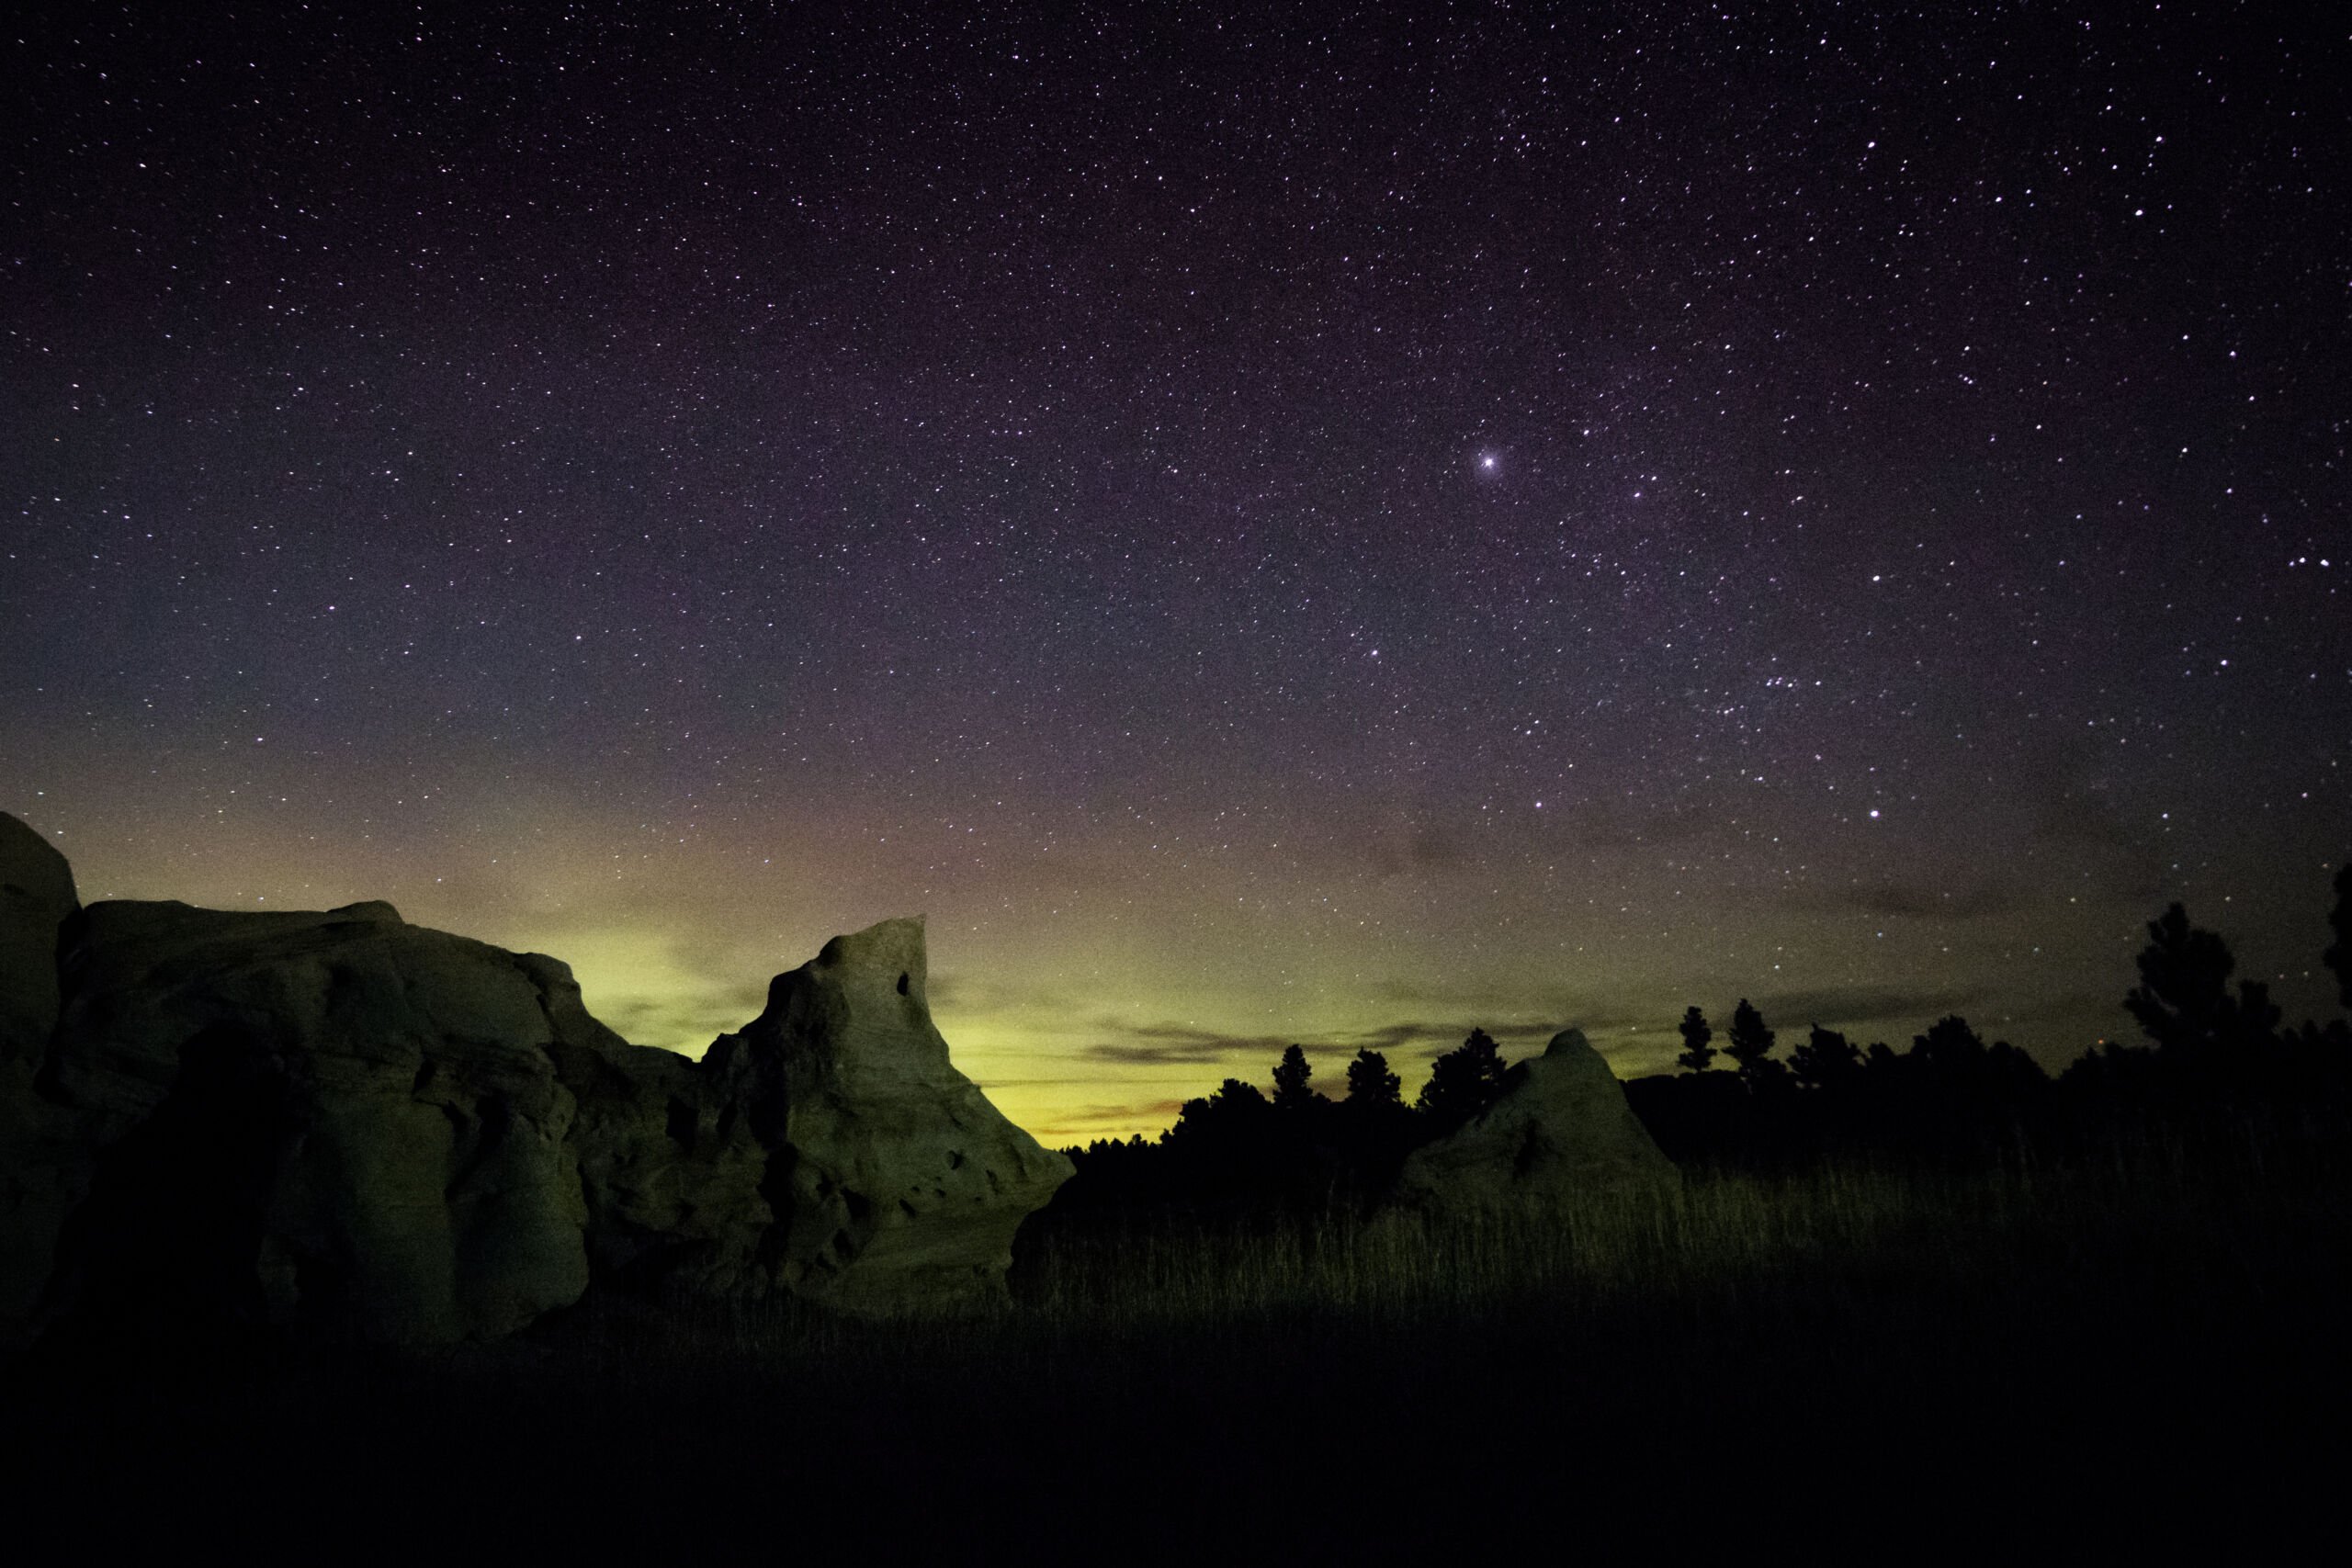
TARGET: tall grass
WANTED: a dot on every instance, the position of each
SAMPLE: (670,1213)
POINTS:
(1854,1332)
(2254,1194)
(2152,1217)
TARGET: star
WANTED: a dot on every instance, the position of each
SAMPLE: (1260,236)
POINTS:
(1005,407)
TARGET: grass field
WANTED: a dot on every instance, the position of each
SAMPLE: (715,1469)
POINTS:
(2141,1340)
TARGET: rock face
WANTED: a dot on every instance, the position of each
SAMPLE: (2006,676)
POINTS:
(344,1121)
(333,1120)
(39,1144)
(828,1148)
(36,896)
(1561,1128)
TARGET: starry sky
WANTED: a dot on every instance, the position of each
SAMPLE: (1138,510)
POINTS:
(1333,523)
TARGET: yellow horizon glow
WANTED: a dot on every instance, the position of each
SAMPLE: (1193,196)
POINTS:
(1090,1004)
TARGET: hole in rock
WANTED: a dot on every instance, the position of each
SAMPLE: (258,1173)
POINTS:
(902,985)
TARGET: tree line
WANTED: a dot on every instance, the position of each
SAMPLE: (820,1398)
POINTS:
(2212,1042)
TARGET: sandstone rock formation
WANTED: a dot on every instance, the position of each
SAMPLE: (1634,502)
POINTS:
(828,1148)
(1562,1128)
(36,895)
(40,1149)
(336,1118)
(342,1120)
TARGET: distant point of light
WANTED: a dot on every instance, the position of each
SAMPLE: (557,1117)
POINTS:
(1488,462)
(1873,813)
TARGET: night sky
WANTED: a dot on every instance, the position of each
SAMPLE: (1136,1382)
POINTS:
(1323,524)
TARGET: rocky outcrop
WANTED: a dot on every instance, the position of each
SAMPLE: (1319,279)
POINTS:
(1560,1130)
(333,1119)
(344,1121)
(36,896)
(40,1148)
(828,1148)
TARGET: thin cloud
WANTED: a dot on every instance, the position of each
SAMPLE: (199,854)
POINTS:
(1183,1046)
(1093,1119)
(1160,1046)
(1835,1006)
(1901,900)
(1202,1054)
(1523,1011)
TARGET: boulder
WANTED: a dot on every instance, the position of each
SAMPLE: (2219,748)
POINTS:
(1560,1130)
(828,1149)
(40,1146)
(333,1120)
(36,896)
(343,1122)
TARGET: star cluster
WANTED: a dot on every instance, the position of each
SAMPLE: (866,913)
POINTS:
(1332,524)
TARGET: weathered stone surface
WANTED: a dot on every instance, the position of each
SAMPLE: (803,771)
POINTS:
(331,1119)
(1561,1129)
(40,1150)
(828,1148)
(907,1184)
(343,1122)
(36,895)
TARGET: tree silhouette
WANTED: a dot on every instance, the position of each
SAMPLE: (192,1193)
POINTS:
(1827,1058)
(2183,1000)
(1291,1074)
(2339,957)
(1950,1045)
(1228,1149)
(1751,1046)
(1698,1055)
(1233,1114)
(1370,1082)
(1464,1081)
(1952,1062)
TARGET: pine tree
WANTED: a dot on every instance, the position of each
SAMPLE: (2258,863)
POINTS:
(1291,1074)
(1698,1055)
(1464,1081)
(2183,1000)
(1370,1082)
(1949,1047)
(1826,1057)
(1751,1046)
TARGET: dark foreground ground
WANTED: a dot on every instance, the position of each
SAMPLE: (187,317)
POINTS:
(2141,1345)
